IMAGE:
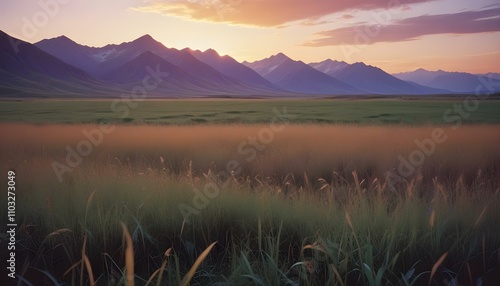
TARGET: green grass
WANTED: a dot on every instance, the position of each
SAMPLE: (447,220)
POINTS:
(262,234)
(188,112)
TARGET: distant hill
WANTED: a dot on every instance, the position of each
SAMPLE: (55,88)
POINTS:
(459,82)
(296,76)
(372,79)
(491,74)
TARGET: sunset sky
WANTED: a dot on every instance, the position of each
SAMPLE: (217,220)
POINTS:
(395,35)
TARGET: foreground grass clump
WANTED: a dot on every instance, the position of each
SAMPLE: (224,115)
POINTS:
(325,218)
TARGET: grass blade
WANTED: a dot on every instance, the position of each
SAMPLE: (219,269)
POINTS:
(85,262)
(436,265)
(129,256)
(196,264)
(337,275)
(89,269)
(163,265)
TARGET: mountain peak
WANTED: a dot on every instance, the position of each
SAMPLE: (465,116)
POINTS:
(334,61)
(281,56)
(63,38)
(422,70)
(328,62)
(211,52)
(360,64)
(146,39)
(330,67)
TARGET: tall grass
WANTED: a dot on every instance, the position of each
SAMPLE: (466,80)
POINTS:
(313,208)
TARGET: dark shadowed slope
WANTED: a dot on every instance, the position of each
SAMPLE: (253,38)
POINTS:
(70,52)
(25,69)
(157,75)
(20,58)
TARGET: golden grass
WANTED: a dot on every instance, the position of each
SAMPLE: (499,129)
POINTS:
(147,171)
(313,149)
(129,256)
(160,270)
(86,262)
(436,266)
(196,264)
(347,138)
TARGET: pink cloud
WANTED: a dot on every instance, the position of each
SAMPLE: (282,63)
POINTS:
(314,22)
(412,28)
(347,16)
(405,8)
(268,13)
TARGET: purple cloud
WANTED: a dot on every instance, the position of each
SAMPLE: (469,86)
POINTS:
(468,22)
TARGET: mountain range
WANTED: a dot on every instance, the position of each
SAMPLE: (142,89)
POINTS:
(60,67)
(296,76)
(372,79)
(26,70)
(457,82)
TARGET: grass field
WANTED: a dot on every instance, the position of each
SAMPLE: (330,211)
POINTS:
(181,112)
(297,204)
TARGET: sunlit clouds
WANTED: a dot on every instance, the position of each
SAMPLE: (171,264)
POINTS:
(263,13)
(469,22)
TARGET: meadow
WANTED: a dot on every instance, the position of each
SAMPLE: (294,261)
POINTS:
(291,204)
(406,110)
